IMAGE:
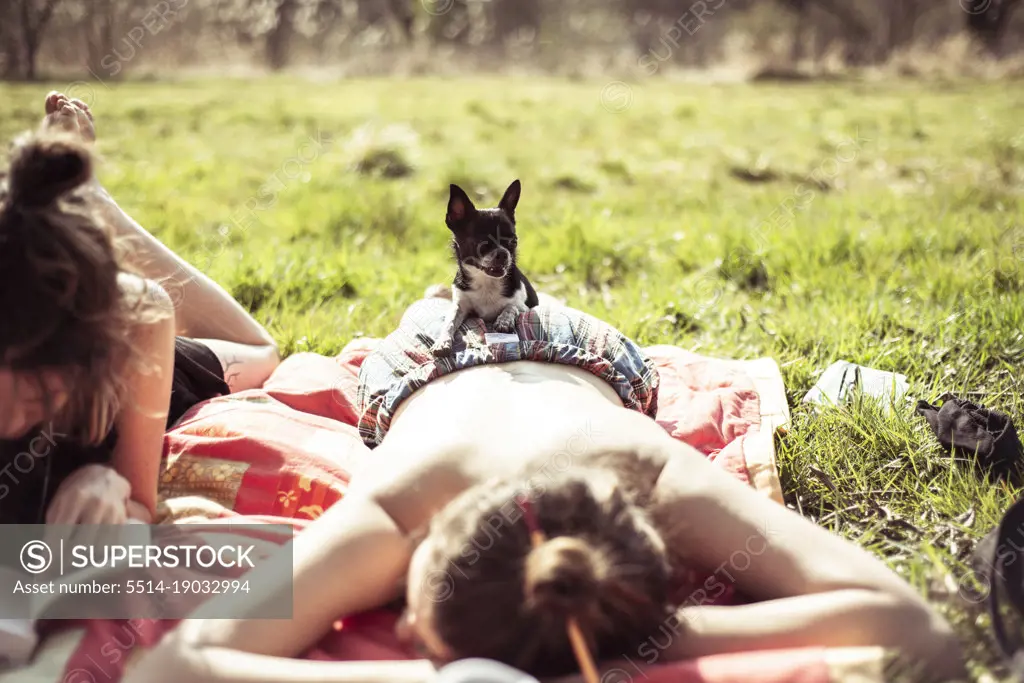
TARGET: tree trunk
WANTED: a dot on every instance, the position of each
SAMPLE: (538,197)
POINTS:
(857,34)
(405,17)
(796,51)
(32,25)
(10,43)
(279,37)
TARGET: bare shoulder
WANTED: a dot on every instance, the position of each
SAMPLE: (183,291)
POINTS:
(631,445)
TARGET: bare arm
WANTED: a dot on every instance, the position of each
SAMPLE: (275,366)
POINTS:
(349,560)
(842,618)
(817,588)
(839,618)
(142,418)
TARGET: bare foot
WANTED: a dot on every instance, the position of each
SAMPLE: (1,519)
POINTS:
(69,115)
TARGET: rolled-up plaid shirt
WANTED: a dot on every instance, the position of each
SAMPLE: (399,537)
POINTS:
(403,361)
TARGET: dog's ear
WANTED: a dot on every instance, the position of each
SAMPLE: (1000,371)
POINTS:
(459,206)
(510,199)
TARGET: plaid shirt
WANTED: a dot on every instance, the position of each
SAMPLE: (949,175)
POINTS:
(403,362)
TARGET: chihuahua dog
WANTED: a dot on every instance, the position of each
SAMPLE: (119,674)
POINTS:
(487,283)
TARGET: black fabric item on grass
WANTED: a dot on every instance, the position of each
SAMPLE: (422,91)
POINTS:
(975,431)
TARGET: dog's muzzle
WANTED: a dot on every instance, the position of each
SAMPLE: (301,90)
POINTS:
(496,263)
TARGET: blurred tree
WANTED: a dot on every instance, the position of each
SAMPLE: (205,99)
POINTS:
(803,24)
(561,35)
(450,21)
(857,36)
(279,36)
(9,59)
(98,23)
(396,16)
(269,21)
(903,16)
(988,21)
(22,29)
(514,18)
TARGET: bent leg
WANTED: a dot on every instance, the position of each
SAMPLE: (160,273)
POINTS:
(203,310)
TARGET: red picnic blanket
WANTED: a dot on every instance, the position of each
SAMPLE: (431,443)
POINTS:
(287,452)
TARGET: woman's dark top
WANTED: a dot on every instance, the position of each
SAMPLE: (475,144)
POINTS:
(33,467)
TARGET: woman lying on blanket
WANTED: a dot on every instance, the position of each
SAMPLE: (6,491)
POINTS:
(91,368)
(556,429)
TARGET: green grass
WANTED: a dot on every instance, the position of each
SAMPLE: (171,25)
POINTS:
(905,249)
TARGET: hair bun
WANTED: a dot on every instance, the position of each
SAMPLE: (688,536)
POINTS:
(44,168)
(563,577)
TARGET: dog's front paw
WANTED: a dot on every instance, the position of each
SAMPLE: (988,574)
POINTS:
(506,322)
(442,348)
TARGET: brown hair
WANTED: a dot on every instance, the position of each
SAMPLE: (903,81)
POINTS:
(603,564)
(61,304)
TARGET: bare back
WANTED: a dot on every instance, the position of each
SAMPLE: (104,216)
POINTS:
(495,421)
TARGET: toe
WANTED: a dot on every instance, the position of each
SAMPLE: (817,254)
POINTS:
(84,107)
(84,122)
(51,101)
(67,118)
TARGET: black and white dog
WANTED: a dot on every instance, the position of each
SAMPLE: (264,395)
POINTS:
(488,283)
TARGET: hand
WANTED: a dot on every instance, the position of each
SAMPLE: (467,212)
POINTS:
(93,494)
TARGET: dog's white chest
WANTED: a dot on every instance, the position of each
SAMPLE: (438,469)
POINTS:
(484,298)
